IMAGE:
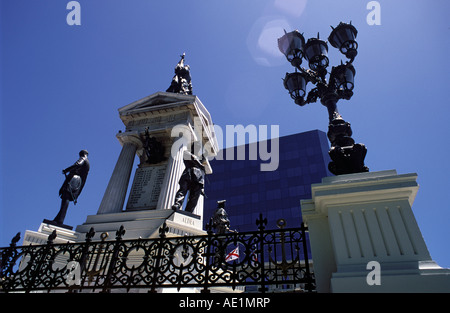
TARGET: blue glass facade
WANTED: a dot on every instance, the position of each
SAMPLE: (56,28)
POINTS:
(303,160)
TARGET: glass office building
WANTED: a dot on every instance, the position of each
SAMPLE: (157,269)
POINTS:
(248,191)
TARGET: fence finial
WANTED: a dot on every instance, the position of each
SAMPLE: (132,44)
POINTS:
(14,240)
(51,237)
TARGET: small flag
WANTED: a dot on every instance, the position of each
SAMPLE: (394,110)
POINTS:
(233,255)
(254,258)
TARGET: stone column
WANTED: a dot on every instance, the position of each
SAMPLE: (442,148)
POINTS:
(174,170)
(115,193)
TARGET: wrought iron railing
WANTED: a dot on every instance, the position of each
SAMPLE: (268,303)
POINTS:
(261,258)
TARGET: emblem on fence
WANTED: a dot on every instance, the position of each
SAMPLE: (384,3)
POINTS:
(284,265)
(97,268)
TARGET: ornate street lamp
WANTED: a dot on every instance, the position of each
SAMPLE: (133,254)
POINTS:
(347,157)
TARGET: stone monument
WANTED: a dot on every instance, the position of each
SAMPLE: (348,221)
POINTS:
(174,120)
(159,129)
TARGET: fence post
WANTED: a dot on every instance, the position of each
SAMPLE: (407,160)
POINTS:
(7,253)
(261,223)
(162,236)
(106,285)
(7,257)
(309,285)
(85,250)
(39,262)
(208,254)
(82,259)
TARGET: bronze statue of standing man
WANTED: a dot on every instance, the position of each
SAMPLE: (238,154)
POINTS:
(76,176)
(192,179)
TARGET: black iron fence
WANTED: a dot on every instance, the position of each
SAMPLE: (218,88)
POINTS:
(263,259)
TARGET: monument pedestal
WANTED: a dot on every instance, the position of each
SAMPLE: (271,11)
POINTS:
(144,224)
(51,222)
(359,218)
(40,237)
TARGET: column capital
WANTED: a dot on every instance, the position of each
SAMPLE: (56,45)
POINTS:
(130,137)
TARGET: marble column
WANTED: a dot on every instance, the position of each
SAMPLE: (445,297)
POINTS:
(170,185)
(115,193)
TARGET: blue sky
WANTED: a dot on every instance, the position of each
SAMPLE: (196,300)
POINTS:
(61,87)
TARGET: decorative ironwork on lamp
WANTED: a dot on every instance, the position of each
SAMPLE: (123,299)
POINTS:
(347,157)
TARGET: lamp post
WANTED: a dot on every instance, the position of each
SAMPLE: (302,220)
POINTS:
(347,157)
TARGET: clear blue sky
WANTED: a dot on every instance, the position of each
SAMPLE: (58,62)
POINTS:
(61,87)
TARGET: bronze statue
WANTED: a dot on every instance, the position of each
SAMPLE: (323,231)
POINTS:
(181,82)
(73,185)
(192,179)
(154,150)
(220,220)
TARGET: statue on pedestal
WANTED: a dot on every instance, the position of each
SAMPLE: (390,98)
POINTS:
(181,82)
(76,176)
(192,179)
(154,150)
(220,221)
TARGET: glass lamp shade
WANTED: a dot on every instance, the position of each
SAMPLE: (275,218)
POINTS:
(292,45)
(344,77)
(295,83)
(343,38)
(316,52)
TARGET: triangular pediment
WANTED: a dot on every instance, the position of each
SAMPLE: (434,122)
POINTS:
(156,101)
(166,104)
